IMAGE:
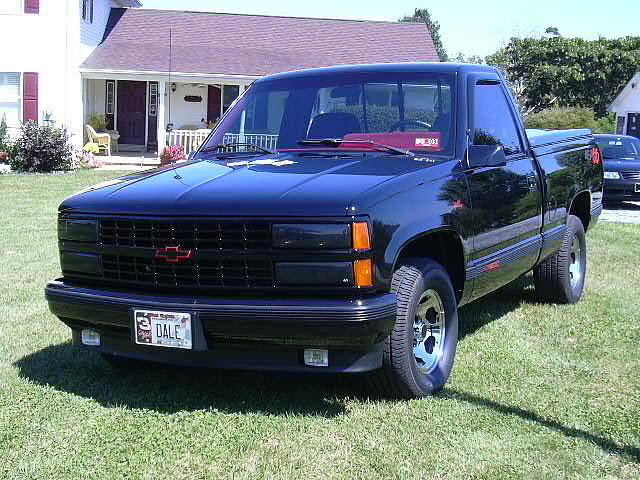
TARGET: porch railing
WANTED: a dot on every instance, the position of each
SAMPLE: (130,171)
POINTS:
(189,139)
(192,139)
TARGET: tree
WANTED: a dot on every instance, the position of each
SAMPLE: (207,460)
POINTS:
(552,32)
(558,71)
(562,118)
(422,15)
(462,58)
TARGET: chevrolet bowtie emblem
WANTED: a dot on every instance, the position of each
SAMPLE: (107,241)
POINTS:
(173,254)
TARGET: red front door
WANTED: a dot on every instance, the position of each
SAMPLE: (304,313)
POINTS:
(132,112)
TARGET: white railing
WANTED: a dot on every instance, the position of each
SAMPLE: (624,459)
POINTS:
(269,142)
(192,139)
(189,139)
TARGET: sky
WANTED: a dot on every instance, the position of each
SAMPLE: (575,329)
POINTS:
(469,26)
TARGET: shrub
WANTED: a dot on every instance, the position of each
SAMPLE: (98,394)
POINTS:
(98,121)
(5,146)
(42,148)
(563,118)
(172,154)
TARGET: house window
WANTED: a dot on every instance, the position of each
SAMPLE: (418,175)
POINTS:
(10,98)
(11,6)
(230,93)
(87,10)
(110,100)
(153,99)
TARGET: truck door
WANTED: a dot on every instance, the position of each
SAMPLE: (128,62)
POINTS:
(506,200)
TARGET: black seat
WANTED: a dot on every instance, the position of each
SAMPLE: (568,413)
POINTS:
(334,125)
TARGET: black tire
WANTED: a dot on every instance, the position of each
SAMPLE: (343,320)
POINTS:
(403,374)
(123,363)
(556,279)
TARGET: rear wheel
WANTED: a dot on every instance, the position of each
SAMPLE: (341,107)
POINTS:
(561,277)
(419,352)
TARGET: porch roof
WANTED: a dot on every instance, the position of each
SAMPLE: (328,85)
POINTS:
(137,40)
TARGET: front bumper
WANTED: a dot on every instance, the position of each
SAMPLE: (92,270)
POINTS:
(619,190)
(242,333)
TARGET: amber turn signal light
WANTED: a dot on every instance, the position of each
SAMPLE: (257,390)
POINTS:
(363,273)
(360,235)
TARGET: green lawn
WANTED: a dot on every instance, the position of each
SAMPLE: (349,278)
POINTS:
(538,391)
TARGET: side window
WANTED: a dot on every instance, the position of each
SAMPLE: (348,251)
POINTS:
(493,122)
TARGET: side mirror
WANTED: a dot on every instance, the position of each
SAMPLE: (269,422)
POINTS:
(487,156)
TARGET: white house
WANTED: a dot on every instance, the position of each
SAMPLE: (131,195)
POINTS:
(44,42)
(627,108)
(161,75)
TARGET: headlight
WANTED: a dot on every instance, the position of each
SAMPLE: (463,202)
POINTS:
(77,229)
(339,236)
(612,175)
(312,235)
(355,236)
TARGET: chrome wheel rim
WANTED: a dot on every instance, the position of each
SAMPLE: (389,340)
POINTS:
(429,331)
(576,269)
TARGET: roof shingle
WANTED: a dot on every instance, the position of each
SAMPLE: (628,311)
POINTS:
(218,43)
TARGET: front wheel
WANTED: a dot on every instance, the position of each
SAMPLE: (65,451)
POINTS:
(419,352)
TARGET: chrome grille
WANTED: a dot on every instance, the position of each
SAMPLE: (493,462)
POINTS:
(630,174)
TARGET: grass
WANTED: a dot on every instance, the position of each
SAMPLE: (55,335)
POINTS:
(538,391)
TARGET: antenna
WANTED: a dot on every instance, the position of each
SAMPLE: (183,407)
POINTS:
(170,123)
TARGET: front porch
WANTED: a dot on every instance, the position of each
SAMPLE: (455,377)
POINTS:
(150,112)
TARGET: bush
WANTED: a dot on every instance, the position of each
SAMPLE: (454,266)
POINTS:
(172,154)
(42,149)
(98,121)
(563,118)
(5,146)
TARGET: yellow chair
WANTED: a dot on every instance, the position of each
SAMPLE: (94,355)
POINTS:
(102,139)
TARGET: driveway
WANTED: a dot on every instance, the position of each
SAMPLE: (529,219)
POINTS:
(627,212)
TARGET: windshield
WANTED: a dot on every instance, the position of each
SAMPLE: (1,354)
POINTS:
(411,111)
(620,148)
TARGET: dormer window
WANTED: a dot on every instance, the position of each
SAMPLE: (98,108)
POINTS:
(87,11)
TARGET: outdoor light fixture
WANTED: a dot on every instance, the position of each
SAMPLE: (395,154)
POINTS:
(173,87)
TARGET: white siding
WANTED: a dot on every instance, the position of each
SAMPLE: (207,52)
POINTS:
(54,43)
(184,114)
(91,33)
(37,43)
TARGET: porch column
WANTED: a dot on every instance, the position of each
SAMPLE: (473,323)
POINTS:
(162,121)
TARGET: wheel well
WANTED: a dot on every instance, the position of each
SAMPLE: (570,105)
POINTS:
(581,208)
(445,247)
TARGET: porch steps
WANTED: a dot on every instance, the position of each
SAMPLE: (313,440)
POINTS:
(129,162)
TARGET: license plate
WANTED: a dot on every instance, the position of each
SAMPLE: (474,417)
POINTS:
(162,329)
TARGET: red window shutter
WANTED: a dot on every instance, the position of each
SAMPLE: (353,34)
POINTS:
(30,96)
(31,6)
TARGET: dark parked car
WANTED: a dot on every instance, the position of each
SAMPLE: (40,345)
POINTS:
(395,194)
(621,156)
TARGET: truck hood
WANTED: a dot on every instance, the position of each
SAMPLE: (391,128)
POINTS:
(271,185)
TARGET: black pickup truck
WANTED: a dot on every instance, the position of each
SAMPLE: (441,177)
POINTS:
(334,221)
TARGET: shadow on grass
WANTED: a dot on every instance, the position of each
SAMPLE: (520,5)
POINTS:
(168,389)
(483,311)
(628,452)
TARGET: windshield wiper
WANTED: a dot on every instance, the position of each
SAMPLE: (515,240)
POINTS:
(225,146)
(336,142)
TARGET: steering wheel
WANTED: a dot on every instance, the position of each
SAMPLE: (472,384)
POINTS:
(402,123)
